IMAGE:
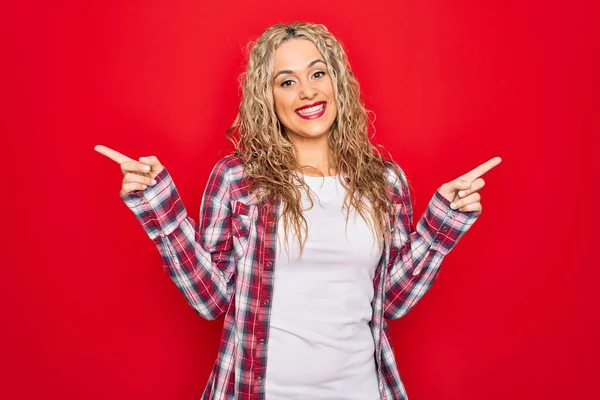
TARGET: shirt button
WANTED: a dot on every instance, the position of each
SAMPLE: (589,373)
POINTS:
(266,302)
(261,341)
(269,264)
(259,379)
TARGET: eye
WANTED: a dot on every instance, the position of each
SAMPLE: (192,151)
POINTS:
(286,83)
(319,73)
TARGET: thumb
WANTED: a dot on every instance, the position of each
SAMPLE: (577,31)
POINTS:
(460,184)
(155,166)
(449,189)
(150,160)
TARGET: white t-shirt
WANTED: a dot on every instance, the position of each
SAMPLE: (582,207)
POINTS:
(320,344)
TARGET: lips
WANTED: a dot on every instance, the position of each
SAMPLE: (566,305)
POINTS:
(312,111)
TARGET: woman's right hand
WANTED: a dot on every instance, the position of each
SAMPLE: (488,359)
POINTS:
(137,175)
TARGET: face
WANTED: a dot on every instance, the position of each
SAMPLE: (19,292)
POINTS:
(303,91)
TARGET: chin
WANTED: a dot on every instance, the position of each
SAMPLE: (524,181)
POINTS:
(310,130)
(315,133)
(317,129)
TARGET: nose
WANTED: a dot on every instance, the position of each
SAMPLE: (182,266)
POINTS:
(307,90)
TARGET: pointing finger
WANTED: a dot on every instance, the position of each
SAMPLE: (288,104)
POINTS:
(112,154)
(482,169)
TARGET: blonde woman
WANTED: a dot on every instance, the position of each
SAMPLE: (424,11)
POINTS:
(305,240)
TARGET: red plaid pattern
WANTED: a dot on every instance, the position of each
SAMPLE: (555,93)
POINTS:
(225,266)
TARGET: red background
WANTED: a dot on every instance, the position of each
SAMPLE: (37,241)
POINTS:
(88,313)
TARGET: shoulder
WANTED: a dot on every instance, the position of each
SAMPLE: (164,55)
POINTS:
(396,179)
(229,168)
(229,174)
(229,163)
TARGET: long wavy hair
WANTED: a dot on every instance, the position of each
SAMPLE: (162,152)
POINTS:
(270,158)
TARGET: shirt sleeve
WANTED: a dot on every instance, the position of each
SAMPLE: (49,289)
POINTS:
(199,260)
(416,254)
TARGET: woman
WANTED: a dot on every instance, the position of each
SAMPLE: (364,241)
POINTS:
(306,241)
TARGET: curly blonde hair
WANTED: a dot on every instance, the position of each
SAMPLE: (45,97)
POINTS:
(269,157)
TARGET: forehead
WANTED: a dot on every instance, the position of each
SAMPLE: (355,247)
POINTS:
(296,54)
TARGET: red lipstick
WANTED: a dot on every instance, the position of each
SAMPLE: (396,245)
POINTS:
(312,111)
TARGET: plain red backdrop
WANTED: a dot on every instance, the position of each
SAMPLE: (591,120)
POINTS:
(87,311)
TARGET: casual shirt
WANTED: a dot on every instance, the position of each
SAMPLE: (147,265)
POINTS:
(226,266)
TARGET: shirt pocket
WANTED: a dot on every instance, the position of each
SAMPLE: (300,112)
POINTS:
(242,219)
(396,216)
(396,220)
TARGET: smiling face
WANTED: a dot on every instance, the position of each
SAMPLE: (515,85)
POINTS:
(303,91)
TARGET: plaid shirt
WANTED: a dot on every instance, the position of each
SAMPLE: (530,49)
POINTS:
(225,266)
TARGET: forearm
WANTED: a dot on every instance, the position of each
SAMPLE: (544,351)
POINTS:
(417,257)
(203,275)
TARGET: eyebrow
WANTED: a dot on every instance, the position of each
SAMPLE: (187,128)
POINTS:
(289,71)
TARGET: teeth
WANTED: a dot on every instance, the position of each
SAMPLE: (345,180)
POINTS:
(311,110)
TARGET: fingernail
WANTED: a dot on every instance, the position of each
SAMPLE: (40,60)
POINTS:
(466,184)
(154,181)
(453,205)
(461,194)
(144,186)
(146,168)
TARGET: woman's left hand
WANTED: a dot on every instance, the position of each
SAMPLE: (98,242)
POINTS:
(463,192)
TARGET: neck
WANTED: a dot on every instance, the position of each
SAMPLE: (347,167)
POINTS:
(314,155)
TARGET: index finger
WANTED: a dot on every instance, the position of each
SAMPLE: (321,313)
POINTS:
(112,154)
(482,169)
